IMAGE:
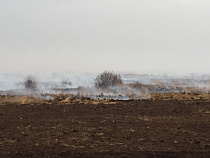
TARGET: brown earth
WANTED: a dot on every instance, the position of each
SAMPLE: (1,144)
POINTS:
(141,128)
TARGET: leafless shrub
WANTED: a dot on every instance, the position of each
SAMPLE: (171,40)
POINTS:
(30,83)
(66,82)
(107,79)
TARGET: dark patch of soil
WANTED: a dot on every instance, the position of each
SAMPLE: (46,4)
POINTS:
(143,128)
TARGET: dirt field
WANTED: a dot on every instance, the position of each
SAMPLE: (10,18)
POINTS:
(142,128)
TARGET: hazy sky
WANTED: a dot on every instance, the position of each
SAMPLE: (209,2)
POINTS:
(144,36)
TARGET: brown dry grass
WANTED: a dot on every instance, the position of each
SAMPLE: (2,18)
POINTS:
(19,99)
(9,99)
(69,99)
(180,96)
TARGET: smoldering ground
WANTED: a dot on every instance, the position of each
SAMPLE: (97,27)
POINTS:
(82,85)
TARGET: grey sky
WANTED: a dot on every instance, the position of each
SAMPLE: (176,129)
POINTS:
(144,36)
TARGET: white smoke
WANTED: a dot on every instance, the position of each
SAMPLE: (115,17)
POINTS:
(83,85)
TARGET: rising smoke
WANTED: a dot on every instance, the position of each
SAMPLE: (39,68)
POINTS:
(82,85)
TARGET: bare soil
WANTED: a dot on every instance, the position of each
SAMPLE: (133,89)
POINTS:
(141,128)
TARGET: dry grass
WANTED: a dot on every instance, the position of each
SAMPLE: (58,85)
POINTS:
(180,96)
(19,99)
(70,98)
(67,99)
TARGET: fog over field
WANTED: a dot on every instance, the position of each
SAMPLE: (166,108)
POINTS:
(138,86)
(77,40)
(129,36)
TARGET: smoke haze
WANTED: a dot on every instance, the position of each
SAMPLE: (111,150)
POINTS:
(138,36)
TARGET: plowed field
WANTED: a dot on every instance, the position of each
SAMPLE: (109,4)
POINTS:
(142,128)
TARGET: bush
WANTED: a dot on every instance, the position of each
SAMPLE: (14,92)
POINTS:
(66,82)
(107,79)
(30,83)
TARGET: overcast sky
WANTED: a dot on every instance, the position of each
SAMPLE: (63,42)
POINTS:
(141,36)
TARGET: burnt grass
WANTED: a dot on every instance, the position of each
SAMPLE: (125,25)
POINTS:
(141,128)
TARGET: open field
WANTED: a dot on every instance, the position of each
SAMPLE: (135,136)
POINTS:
(165,127)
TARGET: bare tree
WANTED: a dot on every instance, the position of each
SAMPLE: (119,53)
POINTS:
(107,79)
(30,82)
(66,82)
